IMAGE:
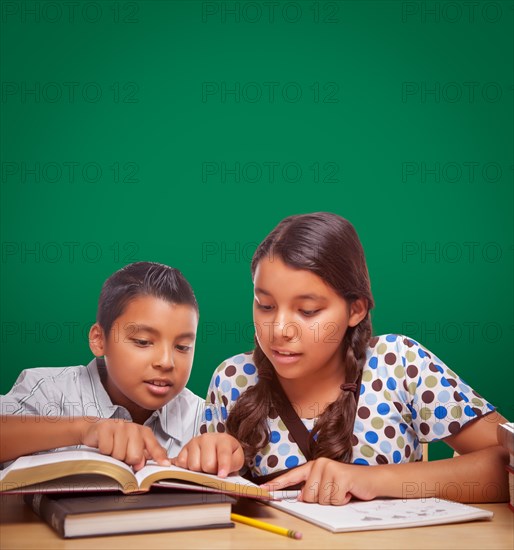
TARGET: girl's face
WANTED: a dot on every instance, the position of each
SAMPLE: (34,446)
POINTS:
(300,321)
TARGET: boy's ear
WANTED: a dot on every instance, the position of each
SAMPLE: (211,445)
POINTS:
(358,310)
(97,340)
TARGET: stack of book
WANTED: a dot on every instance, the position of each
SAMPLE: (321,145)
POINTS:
(506,439)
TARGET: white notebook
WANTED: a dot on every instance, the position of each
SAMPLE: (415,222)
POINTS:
(382,513)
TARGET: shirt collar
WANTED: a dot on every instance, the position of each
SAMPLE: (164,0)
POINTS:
(167,418)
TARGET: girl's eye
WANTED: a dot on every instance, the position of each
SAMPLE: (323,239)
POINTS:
(184,348)
(142,343)
(263,307)
(309,312)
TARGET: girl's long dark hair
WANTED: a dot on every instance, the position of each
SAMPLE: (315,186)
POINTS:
(327,245)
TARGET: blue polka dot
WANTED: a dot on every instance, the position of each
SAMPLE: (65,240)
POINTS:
(234,394)
(371,437)
(391,383)
(416,444)
(258,460)
(358,426)
(362,389)
(412,411)
(291,461)
(443,396)
(464,397)
(217,381)
(404,361)
(469,411)
(403,427)
(225,386)
(224,413)
(385,446)
(383,408)
(438,428)
(440,412)
(361,461)
(421,353)
(490,407)
(264,470)
(249,368)
(397,457)
(439,368)
(274,437)
(284,449)
(238,359)
(370,399)
(373,362)
(208,414)
(391,338)
(383,371)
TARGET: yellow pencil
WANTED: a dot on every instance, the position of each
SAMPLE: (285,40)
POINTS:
(266,526)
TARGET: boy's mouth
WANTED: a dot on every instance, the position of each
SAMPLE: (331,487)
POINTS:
(158,386)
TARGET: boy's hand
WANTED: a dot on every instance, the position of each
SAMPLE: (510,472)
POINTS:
(213,453)
(126,441)
(329,482)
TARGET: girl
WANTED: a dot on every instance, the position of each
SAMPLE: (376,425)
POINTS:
(322,400)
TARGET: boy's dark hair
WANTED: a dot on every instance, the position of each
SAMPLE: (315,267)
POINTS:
(141,279)
(325,244)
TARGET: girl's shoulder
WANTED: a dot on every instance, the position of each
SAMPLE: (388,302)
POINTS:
(396,343)
(240,368)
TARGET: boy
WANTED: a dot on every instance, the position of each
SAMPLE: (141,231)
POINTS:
(131,401)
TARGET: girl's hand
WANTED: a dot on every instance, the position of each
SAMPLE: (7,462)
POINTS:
(213,453)
(126,441)
(329,482)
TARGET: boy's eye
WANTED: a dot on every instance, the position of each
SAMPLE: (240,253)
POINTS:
(140,342)
(184,348)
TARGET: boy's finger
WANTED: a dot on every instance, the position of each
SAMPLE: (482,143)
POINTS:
(181,459)
(224,455)
(157,452)
(289,478)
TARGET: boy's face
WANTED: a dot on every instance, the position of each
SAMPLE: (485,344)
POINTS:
(148,354)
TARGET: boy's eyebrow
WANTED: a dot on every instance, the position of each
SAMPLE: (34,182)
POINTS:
(151,330)
(299,297)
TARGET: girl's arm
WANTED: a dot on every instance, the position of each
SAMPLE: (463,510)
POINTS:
(477,475)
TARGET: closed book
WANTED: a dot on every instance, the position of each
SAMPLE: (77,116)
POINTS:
(505,433)
(104,514)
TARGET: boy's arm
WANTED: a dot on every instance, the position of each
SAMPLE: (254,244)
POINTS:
(126,441)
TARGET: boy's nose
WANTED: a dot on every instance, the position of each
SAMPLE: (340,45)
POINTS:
(165,359)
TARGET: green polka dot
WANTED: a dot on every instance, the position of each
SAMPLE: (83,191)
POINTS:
(210,428)
(282,426)
(425,413)
(400,442)
(477,402)
(367,376)
(410,356)
(412,387)
(399,371)
(431,381)
(381,348)
(387,395)
(456,412)
(241,381)
(266,450)
(377,423)
(407,418)
(451,373)
(366,450)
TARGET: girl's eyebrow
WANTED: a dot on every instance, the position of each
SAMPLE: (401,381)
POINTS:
(299,297)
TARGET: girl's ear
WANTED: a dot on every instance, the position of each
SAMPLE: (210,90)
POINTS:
(97,340)
(358,310)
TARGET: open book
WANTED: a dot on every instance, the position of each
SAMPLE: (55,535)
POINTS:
(89,470)
(381,513)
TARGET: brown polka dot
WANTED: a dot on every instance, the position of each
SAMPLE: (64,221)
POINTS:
(230,370)
(432,367)
(427,396)
(220,428)
(457,396)
(424,428)
(377,385)
(397,406)
(213,397)
(452,382)
(363,412)
(407,451)
(273,413)
(454,427)
(291,438)
(354,440)
(225,400)
(412,371)
(272,461)
(203,429)
(390,432)
(390,358)
(408,343)
(477,411)
(381,459)
(373,341)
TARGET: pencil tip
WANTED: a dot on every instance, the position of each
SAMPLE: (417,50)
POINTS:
(297,535)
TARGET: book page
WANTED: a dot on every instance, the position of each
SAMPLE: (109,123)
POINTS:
(382,513)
